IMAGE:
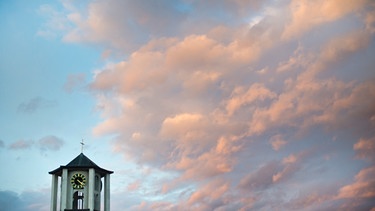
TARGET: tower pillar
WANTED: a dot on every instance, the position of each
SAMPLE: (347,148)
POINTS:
(54,189)
(107,192)
(64,189)
(91,189)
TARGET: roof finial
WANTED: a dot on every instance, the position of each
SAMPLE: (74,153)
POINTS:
(82,146)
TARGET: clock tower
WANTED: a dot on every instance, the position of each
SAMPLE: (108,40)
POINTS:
(81,184)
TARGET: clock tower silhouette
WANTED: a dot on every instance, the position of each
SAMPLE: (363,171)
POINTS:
(81,186)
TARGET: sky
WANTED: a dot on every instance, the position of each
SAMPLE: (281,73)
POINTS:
(195,105)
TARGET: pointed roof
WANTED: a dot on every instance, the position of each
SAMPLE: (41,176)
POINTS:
(81,162)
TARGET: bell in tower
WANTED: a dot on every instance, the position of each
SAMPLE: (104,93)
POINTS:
(81,184)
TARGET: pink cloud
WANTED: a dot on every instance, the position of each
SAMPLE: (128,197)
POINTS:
(306,15)
(134,186)
(232,111)
(212,191)
(118,24)
(261,178)
(290,165)
(362,187)
(203,166)
(242,97)
(365,149)
(277,142)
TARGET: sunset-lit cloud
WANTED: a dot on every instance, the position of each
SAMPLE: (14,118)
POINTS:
(199,103)
(306,15)
(365,149)
(229,105)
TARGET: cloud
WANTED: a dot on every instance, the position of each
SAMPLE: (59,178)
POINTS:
(291,165)
(2,145)
(211,196)
(25,201)
(261,178)
(274,172)
(21,144)
(123,25)
(134,186)
(305,15)
(36,104)
(362,187)
(52,143)
(277,142)
(361,193)
(144,206)
(365,149)
(240,114)
(74,81)
(241,97)
(10,201)
(305,99)
(187,128)
(56,22)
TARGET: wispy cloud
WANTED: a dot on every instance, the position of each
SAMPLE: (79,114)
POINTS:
(74,81)
(35,104)
(56,22)
(21,144)
(51,143)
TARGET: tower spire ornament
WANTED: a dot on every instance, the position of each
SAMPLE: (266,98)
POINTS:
(82,146)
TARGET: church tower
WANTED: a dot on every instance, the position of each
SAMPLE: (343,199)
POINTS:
(81,186)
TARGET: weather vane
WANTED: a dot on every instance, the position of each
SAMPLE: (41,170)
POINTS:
(82,146)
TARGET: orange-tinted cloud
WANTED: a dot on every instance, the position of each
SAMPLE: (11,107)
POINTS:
(305,15)
(362,187)
(365,149)
(244,103)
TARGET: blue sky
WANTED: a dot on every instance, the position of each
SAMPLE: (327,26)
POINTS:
(205,105)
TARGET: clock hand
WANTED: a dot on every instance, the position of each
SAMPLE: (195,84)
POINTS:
(80,182)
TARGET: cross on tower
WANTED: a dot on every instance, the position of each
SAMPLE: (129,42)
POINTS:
(82,146)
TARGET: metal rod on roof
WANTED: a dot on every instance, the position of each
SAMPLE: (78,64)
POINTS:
(82,146)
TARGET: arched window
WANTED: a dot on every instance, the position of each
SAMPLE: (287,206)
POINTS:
(78,200)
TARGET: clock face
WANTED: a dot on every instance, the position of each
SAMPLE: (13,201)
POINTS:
(78,181)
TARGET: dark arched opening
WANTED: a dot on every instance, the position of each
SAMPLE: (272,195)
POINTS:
(78,200)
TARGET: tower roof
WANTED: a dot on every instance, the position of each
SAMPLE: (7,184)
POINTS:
(81,162)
